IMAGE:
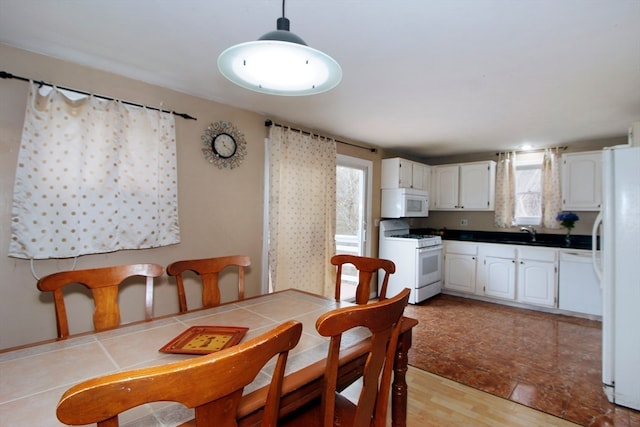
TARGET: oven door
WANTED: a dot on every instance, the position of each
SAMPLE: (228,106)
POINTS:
(429,265)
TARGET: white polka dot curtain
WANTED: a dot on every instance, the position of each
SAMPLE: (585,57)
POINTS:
(302,211)
(505,190)
(551,188)
(93,176)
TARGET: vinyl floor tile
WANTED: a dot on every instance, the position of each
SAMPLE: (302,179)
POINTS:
(545,361)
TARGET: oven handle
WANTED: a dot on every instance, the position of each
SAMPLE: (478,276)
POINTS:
(429,249)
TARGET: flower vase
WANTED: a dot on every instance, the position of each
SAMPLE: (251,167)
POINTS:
(567,238)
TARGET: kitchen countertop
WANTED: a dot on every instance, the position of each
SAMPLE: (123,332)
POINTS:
(520,238)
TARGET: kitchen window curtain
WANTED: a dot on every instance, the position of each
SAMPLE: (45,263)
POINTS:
(93,176)
(505,190)
(551,190)
(302,211)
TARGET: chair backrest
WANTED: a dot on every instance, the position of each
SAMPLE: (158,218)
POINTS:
(212,384)
(104,283)
(209,271)
(366,268)
(383,319)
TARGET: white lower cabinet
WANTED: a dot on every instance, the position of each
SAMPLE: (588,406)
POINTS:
(497,271)
(527,275)
(538,276)
(460,261)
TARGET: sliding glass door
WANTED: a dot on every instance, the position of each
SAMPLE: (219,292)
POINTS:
(353,215)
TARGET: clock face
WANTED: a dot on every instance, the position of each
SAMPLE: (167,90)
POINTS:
(224,145)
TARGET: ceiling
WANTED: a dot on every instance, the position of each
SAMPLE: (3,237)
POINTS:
(425,77)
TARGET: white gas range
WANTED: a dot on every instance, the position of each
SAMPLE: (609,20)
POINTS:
(418,260)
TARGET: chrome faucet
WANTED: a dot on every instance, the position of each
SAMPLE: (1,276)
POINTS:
(531,231)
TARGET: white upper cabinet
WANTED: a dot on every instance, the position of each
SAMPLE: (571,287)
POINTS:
(444,194)
(403,173)
(582,181)
(464,186)
(421,176)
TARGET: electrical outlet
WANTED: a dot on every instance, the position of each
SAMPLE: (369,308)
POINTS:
(464,222)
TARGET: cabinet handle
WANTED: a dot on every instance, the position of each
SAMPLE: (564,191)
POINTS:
(521,262)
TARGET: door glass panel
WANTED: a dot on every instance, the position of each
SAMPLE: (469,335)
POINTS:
(350,221)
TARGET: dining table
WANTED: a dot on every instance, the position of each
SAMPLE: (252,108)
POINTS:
(34,377)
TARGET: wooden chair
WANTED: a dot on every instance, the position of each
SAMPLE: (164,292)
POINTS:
(212,384)
(383,319)
(209,270)
(104,284)
(366,268)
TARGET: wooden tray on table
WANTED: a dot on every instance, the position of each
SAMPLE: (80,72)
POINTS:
(205,339)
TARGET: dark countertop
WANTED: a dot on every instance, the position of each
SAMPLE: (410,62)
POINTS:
(521,238)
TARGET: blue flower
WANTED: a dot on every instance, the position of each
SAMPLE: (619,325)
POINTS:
(567,219)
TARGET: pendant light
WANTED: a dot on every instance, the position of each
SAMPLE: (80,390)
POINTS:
(280,63)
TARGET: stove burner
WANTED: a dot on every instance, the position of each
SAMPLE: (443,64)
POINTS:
(418,240)
(413,236)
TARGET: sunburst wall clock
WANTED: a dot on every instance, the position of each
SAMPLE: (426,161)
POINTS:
(224,145)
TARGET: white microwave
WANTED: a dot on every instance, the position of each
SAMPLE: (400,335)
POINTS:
(404,203)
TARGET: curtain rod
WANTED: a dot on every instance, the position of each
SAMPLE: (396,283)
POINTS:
(562,147)
(5,75)
(269,123)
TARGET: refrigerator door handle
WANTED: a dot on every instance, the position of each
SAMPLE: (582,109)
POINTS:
(597,268)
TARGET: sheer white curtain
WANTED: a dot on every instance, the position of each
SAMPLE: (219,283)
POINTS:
(551,190)
(505,190)
(93,176)
(302,210)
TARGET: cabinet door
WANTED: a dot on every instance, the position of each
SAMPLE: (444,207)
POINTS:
(499,277)
(396,173)
(476,189)
(460,272)
(402,173)
(406,173)
(582,181)
(426,178)
(420,176)
(445,184)
(537,283)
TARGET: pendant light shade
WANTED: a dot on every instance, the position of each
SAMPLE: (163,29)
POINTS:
(280,63)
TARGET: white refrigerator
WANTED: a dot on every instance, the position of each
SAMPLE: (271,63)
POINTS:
(619,273)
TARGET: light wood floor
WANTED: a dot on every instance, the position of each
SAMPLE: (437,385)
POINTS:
(437,401)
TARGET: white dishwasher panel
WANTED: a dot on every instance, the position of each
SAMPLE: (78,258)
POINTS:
(579,289)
